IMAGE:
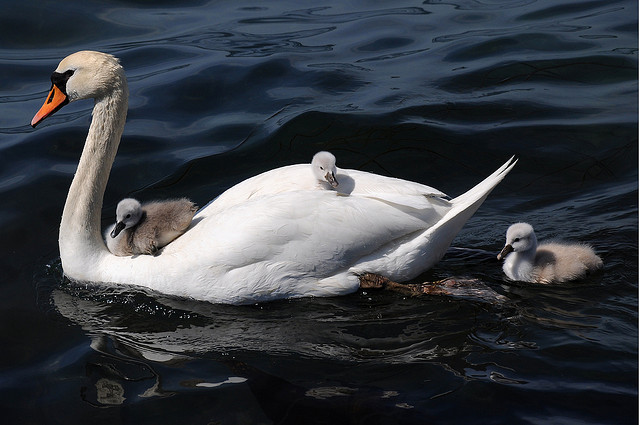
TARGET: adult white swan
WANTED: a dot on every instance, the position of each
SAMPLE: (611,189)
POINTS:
(270,236)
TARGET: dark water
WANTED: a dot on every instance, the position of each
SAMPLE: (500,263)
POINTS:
(440,92)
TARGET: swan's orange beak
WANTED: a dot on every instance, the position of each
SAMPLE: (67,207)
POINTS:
(56,100)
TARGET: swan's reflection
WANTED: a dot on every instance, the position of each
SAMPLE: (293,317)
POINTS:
(385,327)
(164,329)
(149,345)
(138,336)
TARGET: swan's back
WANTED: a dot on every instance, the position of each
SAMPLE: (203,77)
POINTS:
(351,182)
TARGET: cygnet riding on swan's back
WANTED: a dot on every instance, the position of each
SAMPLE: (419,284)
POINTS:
(402,193)
(527,261)
(144,229)
(323,165)
(269,237)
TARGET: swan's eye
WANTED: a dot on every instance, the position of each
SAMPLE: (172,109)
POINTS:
(322,168)
(516,240)
(128,216)
(60,79)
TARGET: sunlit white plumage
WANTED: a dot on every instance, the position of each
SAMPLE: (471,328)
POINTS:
(402,193)
(272,236)
(527,261)
(144,229)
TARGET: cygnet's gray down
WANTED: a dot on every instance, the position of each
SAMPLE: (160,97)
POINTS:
(527,261)
(323,165)
(144,229)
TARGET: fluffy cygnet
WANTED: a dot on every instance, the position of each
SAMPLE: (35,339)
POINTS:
(144,229)
(527,261)
(324,168)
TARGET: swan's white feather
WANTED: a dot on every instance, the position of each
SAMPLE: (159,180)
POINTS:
(352,182)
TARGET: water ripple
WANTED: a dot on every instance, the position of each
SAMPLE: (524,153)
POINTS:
(311,15)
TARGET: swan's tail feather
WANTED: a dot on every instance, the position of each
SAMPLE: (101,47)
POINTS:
(423,251)
(464,206)
(439,237)
(482,189)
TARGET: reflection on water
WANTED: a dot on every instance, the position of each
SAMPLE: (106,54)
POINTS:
(166,329)
(150,346)
(134,333)
(109,392)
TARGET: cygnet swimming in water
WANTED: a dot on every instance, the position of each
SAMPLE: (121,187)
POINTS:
(527,261)
(324,168)
(144,229)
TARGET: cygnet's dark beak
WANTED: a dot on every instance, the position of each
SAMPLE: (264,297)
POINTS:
(505,251)
(331,178)
(119,227)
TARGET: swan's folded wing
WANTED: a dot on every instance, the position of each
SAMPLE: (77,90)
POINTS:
(362,183)
(350,182)
(415,201)
(317,230)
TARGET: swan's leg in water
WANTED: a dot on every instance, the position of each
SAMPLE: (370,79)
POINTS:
(375,281)
(466,288)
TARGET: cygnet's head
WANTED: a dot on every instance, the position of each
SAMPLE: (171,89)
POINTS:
(520,238)
(324,167)
(128,214)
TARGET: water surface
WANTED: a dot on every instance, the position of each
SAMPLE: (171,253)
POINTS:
(437,92)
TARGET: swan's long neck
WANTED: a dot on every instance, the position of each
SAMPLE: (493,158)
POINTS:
(80,237)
